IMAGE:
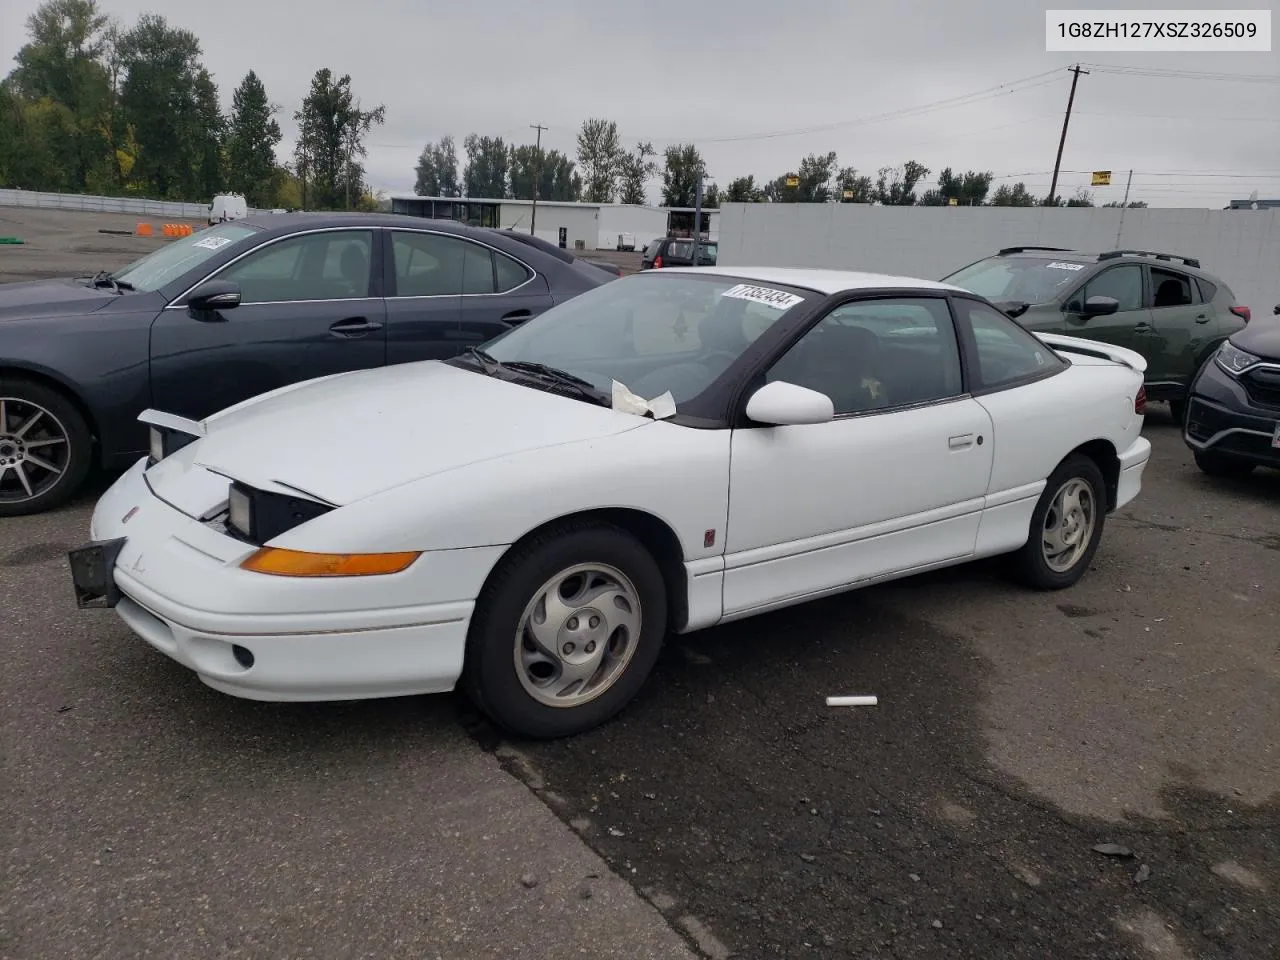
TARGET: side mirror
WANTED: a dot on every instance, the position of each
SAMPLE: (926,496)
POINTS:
(1276,311)
(1101,306)
(785,404)
(215,295)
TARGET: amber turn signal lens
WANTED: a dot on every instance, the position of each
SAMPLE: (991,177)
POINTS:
(295,563)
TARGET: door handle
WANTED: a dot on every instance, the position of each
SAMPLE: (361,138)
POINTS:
(1203,318)
(516,317)
(961,441)
(354,327)
(1142,328)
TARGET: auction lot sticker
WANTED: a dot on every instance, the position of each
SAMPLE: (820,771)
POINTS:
(777,299)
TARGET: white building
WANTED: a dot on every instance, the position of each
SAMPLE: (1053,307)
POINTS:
(575,226)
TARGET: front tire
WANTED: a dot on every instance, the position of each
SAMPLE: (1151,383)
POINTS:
(1066,526)
(1227,468)
(45,448)
(566,631)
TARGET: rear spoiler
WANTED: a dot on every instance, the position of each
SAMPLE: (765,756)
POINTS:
(1092,348)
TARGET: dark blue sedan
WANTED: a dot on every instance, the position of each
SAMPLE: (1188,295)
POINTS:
(237,310)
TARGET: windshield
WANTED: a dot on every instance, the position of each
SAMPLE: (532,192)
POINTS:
(178,256)
(652,332)
(1029,279)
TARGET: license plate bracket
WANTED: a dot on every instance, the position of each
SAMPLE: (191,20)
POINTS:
(93,573)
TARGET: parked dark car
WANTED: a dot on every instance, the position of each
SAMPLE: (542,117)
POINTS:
(678,252)
(237,310)
(1165,307)
(1233,417)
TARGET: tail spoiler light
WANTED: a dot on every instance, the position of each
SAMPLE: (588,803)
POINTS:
(657,262)
(1244,313)
(1140,402)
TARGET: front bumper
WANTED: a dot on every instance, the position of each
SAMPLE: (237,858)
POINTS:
(177,584)
(1222,418)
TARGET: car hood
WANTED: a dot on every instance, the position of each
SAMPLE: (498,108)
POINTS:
(343,438)
(52,297)
(1260,337)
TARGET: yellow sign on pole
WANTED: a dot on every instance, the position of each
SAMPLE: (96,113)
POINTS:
(1102,178)
(848,194)
(952,202)
(793,181)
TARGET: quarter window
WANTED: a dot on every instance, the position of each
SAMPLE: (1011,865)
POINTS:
(1007,354)
(316,266)
(1122,283)
(876,354)
(509,273)
(435,265)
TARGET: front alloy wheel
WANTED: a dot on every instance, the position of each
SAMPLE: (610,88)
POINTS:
(44,448)
(566,630)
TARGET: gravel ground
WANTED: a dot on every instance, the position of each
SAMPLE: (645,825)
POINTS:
(728,812)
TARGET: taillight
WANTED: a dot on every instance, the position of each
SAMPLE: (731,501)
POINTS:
(1244,313)
(1140,402)
(657,262)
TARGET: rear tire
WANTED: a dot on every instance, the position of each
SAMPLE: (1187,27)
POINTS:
(1227,468)
(583,600)
(1178,410)
(46,448)
(1066,527)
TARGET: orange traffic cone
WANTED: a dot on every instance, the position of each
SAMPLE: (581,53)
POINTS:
(143,230)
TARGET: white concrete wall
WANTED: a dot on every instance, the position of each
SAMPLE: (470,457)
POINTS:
(646,224)
(581,222)
(1240,246)
(94,204)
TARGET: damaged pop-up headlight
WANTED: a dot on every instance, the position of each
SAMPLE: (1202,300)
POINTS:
(169,434)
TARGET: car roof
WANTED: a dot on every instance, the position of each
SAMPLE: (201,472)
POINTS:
(1086,256)
(822,281)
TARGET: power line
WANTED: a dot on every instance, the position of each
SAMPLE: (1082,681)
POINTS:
(1171,74)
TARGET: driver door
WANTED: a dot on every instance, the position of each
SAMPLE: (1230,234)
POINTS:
(1128,326)
(895,482)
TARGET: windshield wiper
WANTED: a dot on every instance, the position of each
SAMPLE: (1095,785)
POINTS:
(540,372)
(104,278)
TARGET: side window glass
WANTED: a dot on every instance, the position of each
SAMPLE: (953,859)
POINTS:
(318,266)
(434,265)
(1207,290)
(511,273)
(1122,283)
(1006,352)
(1169,289)
(875,354)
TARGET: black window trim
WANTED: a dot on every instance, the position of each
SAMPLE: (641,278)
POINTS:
(389,265)
(375,275)
(969,351)
(1106,265)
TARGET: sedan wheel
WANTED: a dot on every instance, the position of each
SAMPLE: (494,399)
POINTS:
(566,630)
(1066,526)
(44,448)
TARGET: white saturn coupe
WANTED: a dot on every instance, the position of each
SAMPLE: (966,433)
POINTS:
(670,451)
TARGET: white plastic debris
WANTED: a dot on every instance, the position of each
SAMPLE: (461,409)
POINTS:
(859,701)
(659,407)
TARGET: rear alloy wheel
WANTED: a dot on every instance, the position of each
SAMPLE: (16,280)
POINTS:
(1066,526)
(45,448)
(1228,468)
(566,631)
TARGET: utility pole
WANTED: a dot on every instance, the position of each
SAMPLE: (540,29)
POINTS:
(537,175)
(697,217)
(1123,207)
(1057,164)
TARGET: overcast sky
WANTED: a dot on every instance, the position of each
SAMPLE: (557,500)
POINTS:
(748,69)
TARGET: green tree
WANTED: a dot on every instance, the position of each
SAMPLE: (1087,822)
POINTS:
(437,170)
(967,189)
(251,140)
(816,175)
(62,65)
(1013,196)
(331,129)
(599,156)
(896,186)
(743,190)
(559,179)
(684,166)
(859,189)
(1132,204)
(209,133)
(485,175)
(636,169)
(1082,198)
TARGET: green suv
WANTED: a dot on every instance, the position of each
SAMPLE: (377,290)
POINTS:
(1163,306)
